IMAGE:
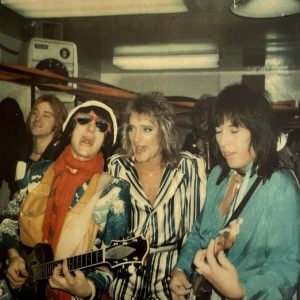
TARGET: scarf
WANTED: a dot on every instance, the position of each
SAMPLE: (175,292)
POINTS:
(69,175)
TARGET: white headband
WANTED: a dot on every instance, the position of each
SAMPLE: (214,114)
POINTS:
(97,104)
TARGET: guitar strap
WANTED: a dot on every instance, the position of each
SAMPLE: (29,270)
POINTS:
(245,200)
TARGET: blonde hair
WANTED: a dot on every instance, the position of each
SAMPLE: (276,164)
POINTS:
(156,106)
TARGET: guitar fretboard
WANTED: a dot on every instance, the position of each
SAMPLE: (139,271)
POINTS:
(45,270)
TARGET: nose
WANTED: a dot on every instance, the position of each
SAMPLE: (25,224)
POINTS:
(136,136)
(92,126)
(224,139)
(37,117)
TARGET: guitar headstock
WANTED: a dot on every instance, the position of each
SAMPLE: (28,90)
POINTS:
(130,251)
(227,236)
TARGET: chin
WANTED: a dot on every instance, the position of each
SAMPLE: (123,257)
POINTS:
(234,165)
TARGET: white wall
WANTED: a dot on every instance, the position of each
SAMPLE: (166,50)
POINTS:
(282,85)
(171,84)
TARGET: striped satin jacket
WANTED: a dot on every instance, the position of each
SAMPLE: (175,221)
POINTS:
(178,203)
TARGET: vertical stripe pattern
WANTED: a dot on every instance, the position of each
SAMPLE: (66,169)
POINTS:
(178,203)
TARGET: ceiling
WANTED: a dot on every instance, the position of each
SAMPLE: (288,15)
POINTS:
(243,42)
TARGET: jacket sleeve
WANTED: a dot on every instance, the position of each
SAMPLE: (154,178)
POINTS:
(278,276)
(9,227)
(116,228)
(194,241)
(189,250)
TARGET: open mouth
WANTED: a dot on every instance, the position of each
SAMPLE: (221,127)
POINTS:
(37,125)
(140,149)
(87,141)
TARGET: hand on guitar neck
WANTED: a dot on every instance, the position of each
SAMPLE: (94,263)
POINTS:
(27,270)
(215,268)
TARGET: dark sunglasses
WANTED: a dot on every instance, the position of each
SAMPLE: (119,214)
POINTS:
(101,124)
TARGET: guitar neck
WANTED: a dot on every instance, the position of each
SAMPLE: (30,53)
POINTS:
(130,251)
(45,270)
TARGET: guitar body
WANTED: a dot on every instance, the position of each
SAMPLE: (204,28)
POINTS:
(32,289)
(202,288)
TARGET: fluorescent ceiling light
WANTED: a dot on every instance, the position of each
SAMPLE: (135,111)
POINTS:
(265,8)
(178,48)
(166,62)
(76,8)
(166,56)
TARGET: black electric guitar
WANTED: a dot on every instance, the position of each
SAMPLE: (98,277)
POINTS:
(40,264)
(202,288)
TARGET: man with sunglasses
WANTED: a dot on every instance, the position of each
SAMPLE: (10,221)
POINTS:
(73,206)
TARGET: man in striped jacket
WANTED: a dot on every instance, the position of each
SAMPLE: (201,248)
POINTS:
(167,190)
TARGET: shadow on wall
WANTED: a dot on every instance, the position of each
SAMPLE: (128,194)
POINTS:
(13,132)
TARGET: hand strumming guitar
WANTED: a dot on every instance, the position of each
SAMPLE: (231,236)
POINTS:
(219,271)
(16,272)
(213,264)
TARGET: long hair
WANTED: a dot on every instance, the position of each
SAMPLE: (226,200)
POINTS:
(156,107)
(59,113)
(244,107)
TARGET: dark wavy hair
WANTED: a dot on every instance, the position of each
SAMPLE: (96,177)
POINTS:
(157,107)
(252,110)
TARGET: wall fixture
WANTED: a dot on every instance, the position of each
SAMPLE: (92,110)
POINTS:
(167,56)
(76,8)
(265,8)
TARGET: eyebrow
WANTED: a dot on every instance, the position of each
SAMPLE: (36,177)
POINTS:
(43,111)
(48,112)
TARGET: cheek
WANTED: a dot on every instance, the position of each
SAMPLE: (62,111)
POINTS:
(75,134)
(155,139)
(54,127)
(99,141)
(246,151)
(74,140)
(218,139)
(252,153)
(156,144)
